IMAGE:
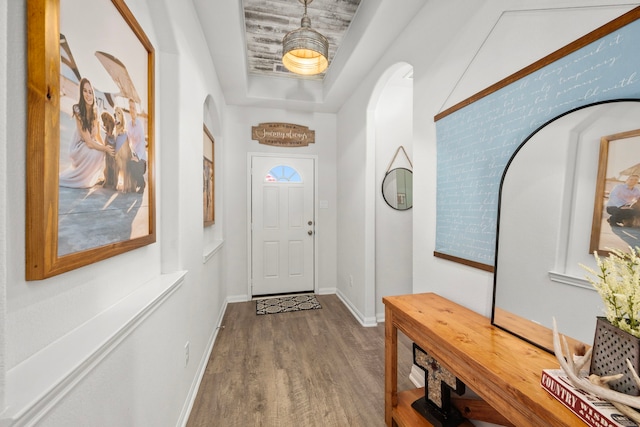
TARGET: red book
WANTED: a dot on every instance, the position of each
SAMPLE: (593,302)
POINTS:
(591,409)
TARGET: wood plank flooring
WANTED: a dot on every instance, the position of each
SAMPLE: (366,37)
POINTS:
(306,368)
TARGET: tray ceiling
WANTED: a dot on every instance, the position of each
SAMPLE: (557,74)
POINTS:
(268,21)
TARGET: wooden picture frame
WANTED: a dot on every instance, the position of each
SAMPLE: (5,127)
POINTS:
(75,215)
(617,226)
(208,177)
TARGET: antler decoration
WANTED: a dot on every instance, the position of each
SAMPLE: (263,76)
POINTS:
(595,385)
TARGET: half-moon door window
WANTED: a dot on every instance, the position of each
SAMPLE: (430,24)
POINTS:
(283,173)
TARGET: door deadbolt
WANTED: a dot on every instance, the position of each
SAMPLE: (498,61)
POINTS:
(310,223)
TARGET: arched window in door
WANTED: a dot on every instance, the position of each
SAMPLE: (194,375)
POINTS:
(283,173)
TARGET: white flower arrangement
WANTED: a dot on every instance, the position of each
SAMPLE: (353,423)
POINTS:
(618,284)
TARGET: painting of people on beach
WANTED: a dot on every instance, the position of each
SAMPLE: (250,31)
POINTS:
(105,188)
(103,130)
(616,223)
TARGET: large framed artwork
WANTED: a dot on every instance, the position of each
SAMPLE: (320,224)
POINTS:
(208,187)
(90,154)
(616,212)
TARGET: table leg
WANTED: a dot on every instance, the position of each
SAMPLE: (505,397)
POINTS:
(390,366)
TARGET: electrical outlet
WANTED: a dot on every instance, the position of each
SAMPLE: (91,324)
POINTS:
(186,354)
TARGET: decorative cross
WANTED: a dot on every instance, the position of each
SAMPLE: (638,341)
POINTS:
(436,406)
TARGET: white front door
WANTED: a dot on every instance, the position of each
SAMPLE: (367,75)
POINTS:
(282,225)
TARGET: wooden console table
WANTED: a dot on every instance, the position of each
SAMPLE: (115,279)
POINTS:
(499,367)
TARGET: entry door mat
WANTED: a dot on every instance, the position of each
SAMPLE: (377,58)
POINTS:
(287,304)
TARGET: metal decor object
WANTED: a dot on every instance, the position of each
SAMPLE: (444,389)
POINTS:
(612,347)
(305,51)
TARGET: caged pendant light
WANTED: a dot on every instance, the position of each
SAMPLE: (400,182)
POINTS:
(305,51)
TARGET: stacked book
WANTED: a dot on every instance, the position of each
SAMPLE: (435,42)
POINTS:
(591,409)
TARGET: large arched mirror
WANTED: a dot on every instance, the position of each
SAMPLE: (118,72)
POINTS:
(546,210)
(397,189)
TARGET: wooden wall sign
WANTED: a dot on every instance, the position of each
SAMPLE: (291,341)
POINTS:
(283,135)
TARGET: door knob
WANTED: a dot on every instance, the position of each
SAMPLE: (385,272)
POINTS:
(309,232)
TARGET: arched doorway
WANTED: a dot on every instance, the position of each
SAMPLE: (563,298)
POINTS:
(388,232)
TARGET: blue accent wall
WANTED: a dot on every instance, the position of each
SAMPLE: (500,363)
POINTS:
(475,143)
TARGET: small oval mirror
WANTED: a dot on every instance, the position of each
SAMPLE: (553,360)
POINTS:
(397,189)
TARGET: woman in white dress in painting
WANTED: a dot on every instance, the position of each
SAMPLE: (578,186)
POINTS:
(87,149)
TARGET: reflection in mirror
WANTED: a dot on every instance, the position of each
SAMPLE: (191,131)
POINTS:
(397,189)
(616,213)
(545,217)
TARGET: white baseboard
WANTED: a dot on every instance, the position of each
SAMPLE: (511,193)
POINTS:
(238,298)
(244,298)
(364,321)
(417,376)
(193,391)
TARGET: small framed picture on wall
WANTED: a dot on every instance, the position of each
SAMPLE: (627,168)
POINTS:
(208,187)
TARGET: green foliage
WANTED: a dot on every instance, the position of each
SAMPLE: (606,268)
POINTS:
(617,281)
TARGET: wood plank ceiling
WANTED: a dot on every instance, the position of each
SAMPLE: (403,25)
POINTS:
(268,21)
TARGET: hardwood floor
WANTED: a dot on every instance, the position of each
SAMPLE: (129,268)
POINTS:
(306,368)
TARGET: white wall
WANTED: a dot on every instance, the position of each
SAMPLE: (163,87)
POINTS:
(3,199)
(105,344)
(432,24)
(393,125)
(443,56)
(239,143)
(351,158)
